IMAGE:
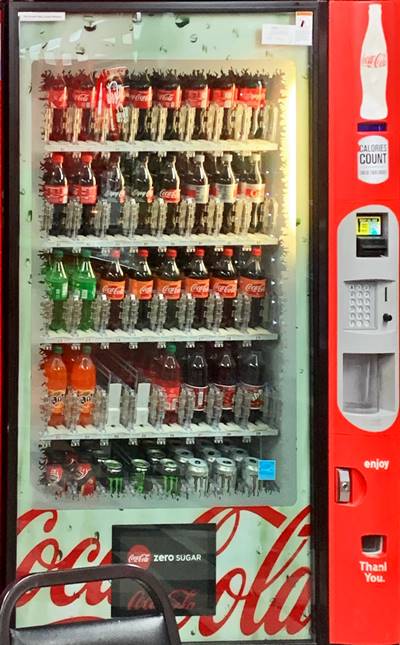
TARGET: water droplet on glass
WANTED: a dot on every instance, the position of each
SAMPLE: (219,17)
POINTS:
(208,25)
(204,48)
(137,17)
(162,49)
(235,32)
(182,21)
(194,38)
(79,50)
(228,57)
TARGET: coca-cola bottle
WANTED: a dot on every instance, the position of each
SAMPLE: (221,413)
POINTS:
(224,281)
(224,187)
(141,98)
(55,191)
(252,282)
(225,379)
(252,379)
(143,192)
(113,190)
(84,100)
(169,190)
(85,190)
(195,94)
(223,95)
(197,187)
(197,283)
(168,282)
(249,92)
(168,376)
(112,284)
(240,169)
(196,379)
(141,285)
(255,192)
(58,102)
(169,95)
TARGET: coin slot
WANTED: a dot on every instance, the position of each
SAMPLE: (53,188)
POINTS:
(373,544)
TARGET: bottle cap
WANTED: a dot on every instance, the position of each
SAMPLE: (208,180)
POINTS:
(86,157)
(85,253)
(115,253)
(171,348)
(87,350)
(199,157)
(199,253)
(256,156)
(144,253)
(59,254)
(256,250)
(227,156)
(171,253)
(57,157)
(228,252)
(57,349)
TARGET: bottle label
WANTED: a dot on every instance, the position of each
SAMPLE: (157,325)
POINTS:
(197,287)
(142,289)
(171,289)
(58,98)
(374,60)
(113,290)
(257,395)
(225,287)
(251,96)
(197,98)
(143,195)
(84,99)
(228,395)
(255,192)
(242,186)
(141,99)
(227,193)
(200,396)
(223,96)
(57,401)
(172,397)
(86,290)
(170,98)
(170,195)
(58,291)
(200,194)
(255,288)
(86,402)
(115,94)
(87,194)
(56,194)
(114,195)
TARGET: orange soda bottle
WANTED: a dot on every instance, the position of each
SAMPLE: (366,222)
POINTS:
(83,383)
(56,376)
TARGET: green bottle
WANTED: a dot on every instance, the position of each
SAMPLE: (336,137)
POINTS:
(84,284)
(57,289)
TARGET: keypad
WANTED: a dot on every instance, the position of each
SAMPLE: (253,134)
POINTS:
(361,297)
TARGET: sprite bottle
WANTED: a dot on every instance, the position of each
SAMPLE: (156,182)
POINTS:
(84,285)
(57,289)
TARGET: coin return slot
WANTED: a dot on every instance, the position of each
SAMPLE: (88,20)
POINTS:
(373,544)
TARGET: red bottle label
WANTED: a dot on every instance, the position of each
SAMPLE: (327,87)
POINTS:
(228,395)
(200,396)
(197,287)
(255,288)
(242,186)
(225,287)
(85,398)
(87,194)
(84,99)
(141,99)
(227,193)
(54,473)
(171,289)
(172,397)
(170,195)
(142,289)
(257,396)
(200,194)
(255,192)
(251,96)
(170,98)
(223,96)
(113,290)
(56,194)
(197,98)
(58,98)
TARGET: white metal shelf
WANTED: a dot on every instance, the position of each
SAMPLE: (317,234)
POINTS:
(173,431)
(110,241)
(165,336)
(229,145)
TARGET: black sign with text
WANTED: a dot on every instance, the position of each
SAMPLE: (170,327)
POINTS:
(182,556)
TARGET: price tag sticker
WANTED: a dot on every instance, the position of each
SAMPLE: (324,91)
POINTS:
(304,25)
(267,470)
(41,16)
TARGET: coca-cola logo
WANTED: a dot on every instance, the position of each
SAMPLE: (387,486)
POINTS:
(54,474)
(114,292)
(170,195)
(141,98)
(140,555)
(146,291)
(226,289)
(374,60)
(179,599)
(170,290)
(199,289)
(254,288)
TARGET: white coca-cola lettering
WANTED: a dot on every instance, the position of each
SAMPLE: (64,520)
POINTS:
(170,290)
(141,98)
(170,195)
(114,291)
(375,60)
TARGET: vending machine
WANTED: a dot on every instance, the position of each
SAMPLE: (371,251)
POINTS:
(166,316)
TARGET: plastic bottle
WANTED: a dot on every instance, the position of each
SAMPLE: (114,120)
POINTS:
(169,377)
(169,95)
(196,379)
(85,191)
(83,383)
(56,377)
(252,378)
(84,284)
(197,283)
(55,191)
(142,191)
(113,191)
(255,188)
(198,188)
(253,283)
(58,101)
(225,379)
(84,99)
(195,95)
(57,289)
(141,285)
(169,283)
(112,284)
(225,282)
(141,97)
(169,190)
(70,356)
(223,95)
(374,67)
(224,187)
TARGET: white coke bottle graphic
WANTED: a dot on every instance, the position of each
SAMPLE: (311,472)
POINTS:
(374,67)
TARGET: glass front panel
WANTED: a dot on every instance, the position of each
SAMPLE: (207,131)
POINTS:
(164,341)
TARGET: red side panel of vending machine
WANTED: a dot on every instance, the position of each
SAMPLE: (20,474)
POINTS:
(364,306)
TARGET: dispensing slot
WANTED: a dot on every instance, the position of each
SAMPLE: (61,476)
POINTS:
(368,386)
(372,241)
(373,544)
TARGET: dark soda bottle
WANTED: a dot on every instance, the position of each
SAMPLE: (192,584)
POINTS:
(113,190)
(240,169)
(86,192)
(141,285)
(223,95)
(255,193)
(225,282)
(198,188)
(224,187)
(168,282)
(143,192)
(141,97)
(57,289)
(253,283)
(195,94)
(252,379)
(169,190)
(83,283)
(58,101)
(84,100)
(196,379)
(249,93)
(225,379)
(55,192)
(168,376)
(112,284)
(169,95)
(197,283)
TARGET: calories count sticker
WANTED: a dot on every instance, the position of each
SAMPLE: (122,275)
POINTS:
(373,159)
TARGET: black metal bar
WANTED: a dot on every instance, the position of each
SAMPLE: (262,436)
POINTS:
(207,6)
